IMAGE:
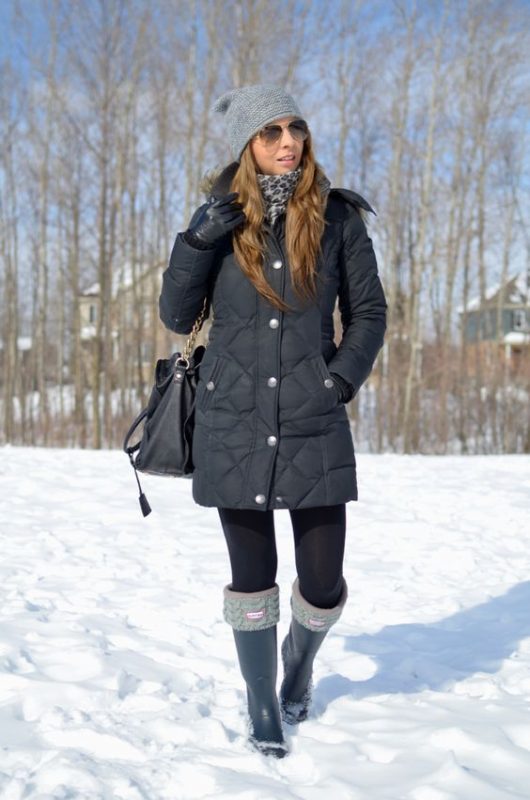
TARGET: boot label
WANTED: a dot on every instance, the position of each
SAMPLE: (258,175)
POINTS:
(255,615)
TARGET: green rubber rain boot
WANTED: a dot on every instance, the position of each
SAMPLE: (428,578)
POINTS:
(254,617)
(309,627)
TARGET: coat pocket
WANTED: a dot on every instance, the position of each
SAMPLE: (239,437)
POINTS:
(209,381)
(327,383)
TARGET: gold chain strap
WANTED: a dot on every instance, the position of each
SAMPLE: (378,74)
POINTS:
(194,331)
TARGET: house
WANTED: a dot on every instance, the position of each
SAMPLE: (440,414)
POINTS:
(501,319)
(138,336)
(134,306)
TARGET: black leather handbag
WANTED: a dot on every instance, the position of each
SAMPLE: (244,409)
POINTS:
(165,446)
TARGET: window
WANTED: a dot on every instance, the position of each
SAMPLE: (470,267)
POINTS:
(147,351)
(92,313)
(519,319)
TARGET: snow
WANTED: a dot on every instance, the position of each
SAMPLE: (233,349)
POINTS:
(24,343)
(118,678)
(516,338)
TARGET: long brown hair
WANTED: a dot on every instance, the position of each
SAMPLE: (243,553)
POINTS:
(304,227)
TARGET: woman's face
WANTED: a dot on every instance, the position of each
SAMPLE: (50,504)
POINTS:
(282,156)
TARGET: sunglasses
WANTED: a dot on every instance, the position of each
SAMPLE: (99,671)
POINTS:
(271,134)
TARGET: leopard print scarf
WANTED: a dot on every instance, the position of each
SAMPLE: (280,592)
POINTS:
(277,189)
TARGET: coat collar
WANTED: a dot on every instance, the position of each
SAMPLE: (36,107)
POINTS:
(352,198)
(221,186)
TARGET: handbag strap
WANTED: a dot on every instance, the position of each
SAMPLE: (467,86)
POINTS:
(188,347)
(141,416)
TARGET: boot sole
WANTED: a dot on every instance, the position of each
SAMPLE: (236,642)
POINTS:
(275,749)
(294,712)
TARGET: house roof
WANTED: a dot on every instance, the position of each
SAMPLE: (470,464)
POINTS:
(91,291)
(515,293)
(122,279)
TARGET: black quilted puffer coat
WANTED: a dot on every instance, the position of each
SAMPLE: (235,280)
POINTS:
(270,429)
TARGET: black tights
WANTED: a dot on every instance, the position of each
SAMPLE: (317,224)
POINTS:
(319,536)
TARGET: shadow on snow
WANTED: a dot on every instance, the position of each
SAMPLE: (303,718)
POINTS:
(414,657)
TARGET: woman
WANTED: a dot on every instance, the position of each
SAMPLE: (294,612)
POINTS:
(271,250)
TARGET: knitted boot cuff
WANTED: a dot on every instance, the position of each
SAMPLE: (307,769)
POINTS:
(252,611)
(313,618)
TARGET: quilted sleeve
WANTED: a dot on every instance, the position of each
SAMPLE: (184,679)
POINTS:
(362,305)
(185,283)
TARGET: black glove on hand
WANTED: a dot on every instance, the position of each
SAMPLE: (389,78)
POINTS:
(346,390)
(217,219)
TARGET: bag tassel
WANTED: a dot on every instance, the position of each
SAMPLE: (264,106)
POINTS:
(142,499)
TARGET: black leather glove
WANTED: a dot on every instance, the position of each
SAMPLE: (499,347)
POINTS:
(216,220)
(346,390)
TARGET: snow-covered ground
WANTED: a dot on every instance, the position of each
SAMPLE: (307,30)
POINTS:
(117,672)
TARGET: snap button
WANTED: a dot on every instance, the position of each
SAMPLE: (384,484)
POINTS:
(210,386)
(271,441)
(328,383)
(279,498)
(272,382)
(273,323)
(260,498)
(277,264)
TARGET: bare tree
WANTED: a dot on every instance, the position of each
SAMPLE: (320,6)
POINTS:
(108,131)
(9,251)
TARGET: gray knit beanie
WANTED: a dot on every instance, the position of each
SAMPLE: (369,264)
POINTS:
(249,108)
